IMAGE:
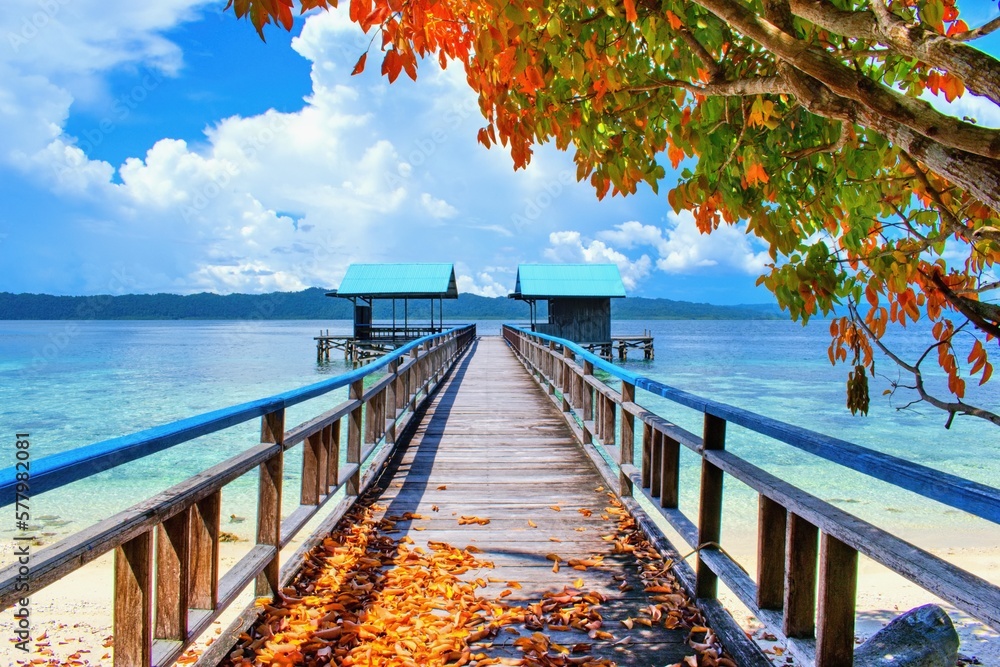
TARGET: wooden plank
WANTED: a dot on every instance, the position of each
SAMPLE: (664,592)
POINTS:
(838,583)
(670,475)
(647,456)
(204,551)
(269,521)
(333,475)
(133,602)
(310,481)
(354,426)
(710,507)
(800,577)
(173,538)
(771,518)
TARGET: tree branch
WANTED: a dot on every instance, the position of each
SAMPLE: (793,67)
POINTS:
(977,70)
(976,33)
(951,407)
(984,315)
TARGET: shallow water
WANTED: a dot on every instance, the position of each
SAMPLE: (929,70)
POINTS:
(73,383)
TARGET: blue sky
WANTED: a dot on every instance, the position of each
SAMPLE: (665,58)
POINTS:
(161,147)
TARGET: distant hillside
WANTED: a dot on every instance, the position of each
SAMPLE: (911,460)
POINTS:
(313,304)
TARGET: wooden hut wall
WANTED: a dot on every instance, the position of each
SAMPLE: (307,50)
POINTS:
(579,320)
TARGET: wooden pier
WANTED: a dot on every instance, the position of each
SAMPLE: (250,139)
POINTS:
(530,495)
(378,342)
(622,344)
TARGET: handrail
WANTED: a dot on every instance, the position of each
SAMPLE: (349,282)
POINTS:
(168,588)
(803,542)
(973,497)
(52,472)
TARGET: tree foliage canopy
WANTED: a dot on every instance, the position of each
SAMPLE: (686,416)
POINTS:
(808,119)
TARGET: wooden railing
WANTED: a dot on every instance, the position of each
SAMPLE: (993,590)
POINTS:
(167,585)
(801,538)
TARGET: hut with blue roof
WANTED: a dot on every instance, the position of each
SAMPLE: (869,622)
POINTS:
(578,298)
(364,284)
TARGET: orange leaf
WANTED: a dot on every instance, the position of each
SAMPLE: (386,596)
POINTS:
(957,27)
(630,11)
(360,66)
(675,22)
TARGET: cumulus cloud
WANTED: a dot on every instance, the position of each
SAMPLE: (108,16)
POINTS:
(482,283)
(571,247)
(679,248)
(437,208)
(211,216)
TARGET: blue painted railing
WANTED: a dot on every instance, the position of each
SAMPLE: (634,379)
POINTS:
(804,543)
(972,497)
(61,469)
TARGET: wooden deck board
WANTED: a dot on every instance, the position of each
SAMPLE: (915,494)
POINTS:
(497,444)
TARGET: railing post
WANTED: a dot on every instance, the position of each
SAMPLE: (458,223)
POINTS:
(710,507)
(656,464)
(771,521)
(311,461)
(354,426)
(647,457)
(333,460)
(269,502)
(587,400)
(550,370)
(670,471)
(566,381)
(133,610)
(627,445)
(390,402)
(173,538)
(800,577)
(203,591)
(838,582)
(411,379)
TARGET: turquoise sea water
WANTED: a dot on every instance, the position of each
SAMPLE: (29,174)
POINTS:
(73,383)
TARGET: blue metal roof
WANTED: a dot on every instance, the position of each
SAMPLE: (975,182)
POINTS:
(541,281)
(399,281)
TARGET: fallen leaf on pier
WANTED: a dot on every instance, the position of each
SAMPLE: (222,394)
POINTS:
(468,520)
(532,524)
(555,508)
(443,487)
(584,511)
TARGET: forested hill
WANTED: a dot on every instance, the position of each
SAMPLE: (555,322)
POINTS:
(313,304)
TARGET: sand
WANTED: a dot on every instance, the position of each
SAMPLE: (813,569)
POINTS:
(71,619)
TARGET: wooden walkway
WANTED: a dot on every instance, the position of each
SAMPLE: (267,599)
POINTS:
(492,446)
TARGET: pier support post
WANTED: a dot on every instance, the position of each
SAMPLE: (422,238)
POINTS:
(627,445)
(838,583)
(800,577)
(354,427)
(269,502)
(771,520)
(133,611)
(710,507)
(587,400)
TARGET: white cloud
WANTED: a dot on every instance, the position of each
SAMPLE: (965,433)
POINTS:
(437,208)
(679,249)
(684,248)
(570,246)
(482,284)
